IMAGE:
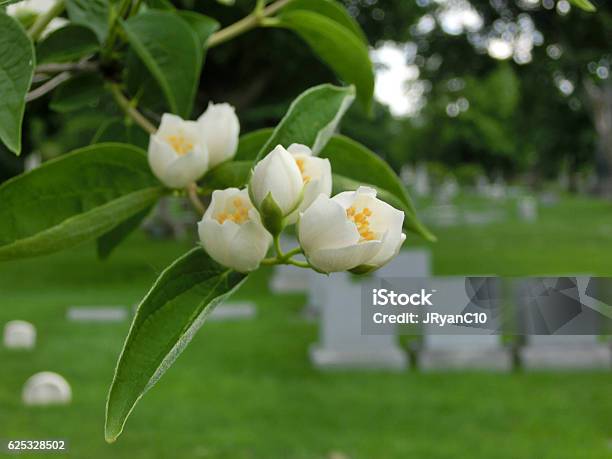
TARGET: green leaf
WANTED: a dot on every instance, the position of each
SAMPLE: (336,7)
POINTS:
(337,46)
(312,118)
(171,50)
(202,25)
(117,130)
(411,222)
(109,241)
(67,44)
(351,160)
(167,319)
(332,10)
(94,14)
(250,144)
(586,5)
(79,92)
(232,174)
(16,71)
(161,5)
(74,198)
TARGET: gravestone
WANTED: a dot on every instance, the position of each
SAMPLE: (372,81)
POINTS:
(341,342)
(233,311)
(474,349)
(19,334)
(317,289)
(528,209)
(482,185)
(448,190)
(287,278)
(46,388)
(561,351)
(421,181)
(407,174)
(498,189)
(97,314)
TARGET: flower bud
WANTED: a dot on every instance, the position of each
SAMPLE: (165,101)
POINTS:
(277,180)
(316,175)
(177,154)
(220,130)
(231,231)
(351,231)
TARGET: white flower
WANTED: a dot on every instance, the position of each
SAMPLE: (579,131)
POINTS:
(231,231)
(177,153)
(316,175)
(279,175)
(30,6)
(220,129)
(351,230)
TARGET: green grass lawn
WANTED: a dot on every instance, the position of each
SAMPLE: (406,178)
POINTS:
(247,390)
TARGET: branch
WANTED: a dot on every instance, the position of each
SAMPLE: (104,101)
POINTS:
(192,193)
(245,24)
(83,66)
(44,19)
(125,104)
(47,87)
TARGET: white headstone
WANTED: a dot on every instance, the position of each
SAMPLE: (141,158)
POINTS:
(482,185)
(407,174)
(19,334)
(341,342)
(528,209)
(234,311)
(97,313)
(421,181)
(46,388)
(448,190)
(498,189)
(481,350)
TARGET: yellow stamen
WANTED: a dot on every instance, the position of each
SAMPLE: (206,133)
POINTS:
(362,222)
(238,213)
(302,168)
(179,144)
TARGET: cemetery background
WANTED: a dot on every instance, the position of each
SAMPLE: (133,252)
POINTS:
(258,394)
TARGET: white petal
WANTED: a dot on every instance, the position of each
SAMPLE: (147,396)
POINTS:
(299,149)
(187,168)
(249,246)
(325,225)
(344,258)
(160,156)
(278,174)
(220,129)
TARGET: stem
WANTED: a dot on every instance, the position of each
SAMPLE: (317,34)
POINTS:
(192,193)
(130,110)
(245,24)
(48,86)
(112,35)
(278,248)
(299,264)
(135,7)
(44,19)
(84,66)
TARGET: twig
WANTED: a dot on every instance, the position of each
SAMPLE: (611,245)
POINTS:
(48,86)
(192,193)
(83,66)
(130,110)
(245,24)
(44,19)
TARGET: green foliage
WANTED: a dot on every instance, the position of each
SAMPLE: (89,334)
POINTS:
(94,14)
(118,130)
(353,164)
(202,25)
(79,92)
(69,43)
(232,174)
(586,5)
(312,118)
(75,198)
(250,144)
(167,319)
(331,9)
(16,71)
(111,240)
(171,50)
(337,46)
